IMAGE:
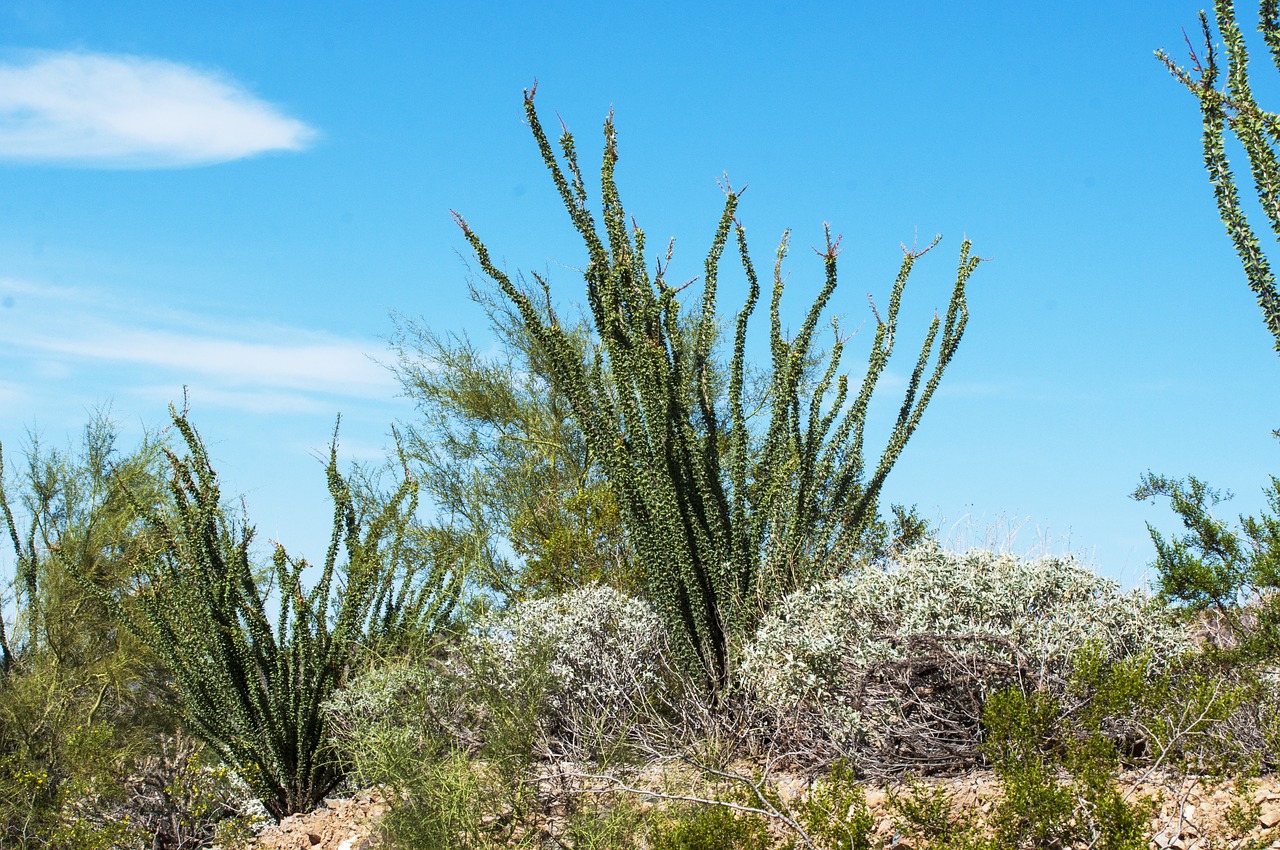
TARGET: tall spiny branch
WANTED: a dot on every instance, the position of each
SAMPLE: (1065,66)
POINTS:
(726,518)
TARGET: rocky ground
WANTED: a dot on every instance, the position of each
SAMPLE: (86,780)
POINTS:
(348,823)
(1190,814)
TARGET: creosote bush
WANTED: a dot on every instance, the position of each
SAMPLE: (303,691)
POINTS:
(708,827)
(834,812)
(1057,768)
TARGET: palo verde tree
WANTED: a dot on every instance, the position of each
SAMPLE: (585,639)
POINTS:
(71,509)
(724,515)
(78,698)
(1234,108)
(250,689)
(497,451)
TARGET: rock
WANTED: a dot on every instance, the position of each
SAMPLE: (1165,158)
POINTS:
(337,824)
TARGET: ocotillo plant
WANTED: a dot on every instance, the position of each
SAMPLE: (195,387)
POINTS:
(725,516)
(1258,131)
(252,691)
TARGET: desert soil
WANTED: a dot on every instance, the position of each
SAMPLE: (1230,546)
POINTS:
(1191,814)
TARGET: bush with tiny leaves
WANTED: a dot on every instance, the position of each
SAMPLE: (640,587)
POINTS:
(599,652)
(555,669)
(1035,614)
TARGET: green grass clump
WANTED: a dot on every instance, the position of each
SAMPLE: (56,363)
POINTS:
(709,827)
(835,811)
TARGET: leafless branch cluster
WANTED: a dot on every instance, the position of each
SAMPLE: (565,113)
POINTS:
(173,799)
(918,713)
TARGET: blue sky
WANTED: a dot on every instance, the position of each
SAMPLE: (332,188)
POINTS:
(234,196)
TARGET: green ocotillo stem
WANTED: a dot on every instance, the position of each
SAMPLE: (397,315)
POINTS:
(726,513)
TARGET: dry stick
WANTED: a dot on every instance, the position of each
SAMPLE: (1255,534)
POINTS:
(646,735)
(1182,729)
(766,809)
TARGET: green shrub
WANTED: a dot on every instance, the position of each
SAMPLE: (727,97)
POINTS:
(606,822)
(388,709)
(1058,770)
(1224,579)
(835,811)
(453,802)
(452,747)
(1036,809)
(708,827)
(928,813)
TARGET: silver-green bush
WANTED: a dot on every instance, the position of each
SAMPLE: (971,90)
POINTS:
(562,673)
(846,654)
(598,652)
(382,713)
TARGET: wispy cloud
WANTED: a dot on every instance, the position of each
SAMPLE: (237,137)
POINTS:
(308,362)
(259,368)
(11,393)
(266,401)
(123,111)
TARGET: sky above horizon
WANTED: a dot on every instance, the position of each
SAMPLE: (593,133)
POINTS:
(235,198)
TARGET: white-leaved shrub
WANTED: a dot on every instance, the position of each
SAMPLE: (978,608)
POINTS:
(380,712)
(559,674)
(814,651)
(599,651)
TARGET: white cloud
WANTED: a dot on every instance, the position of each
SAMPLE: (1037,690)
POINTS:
(65,336)
(206,394)
(310,362)
(133,112)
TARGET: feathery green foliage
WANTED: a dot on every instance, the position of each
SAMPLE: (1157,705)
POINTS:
(1213,566)
(724,516)
(252,691)
(1258,131)
(78,514)
(503,462)
(81,702)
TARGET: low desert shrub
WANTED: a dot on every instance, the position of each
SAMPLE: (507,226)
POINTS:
(850,663)
(605,821)
(1058,774)
(835,813)
(455,802)
(587,664)
(389,712)
(928,814)
(1056,761)
(456,734)
(708,827)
